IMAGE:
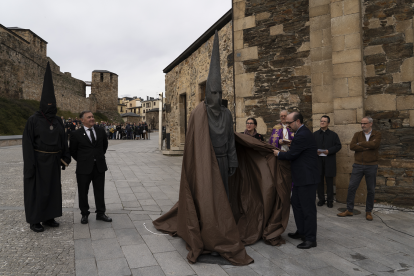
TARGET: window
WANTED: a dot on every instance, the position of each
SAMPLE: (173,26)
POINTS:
(144,110)
(130,105)
(154,103)
(101,77)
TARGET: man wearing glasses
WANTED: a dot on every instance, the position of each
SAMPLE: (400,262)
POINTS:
(365,144)
(305,175)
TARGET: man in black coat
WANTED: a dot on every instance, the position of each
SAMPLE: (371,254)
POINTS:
(305,176)
(88,146)
(328,145)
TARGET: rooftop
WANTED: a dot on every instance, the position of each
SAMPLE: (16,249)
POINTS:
(130,114)
(104,71)
(201,40)
(21,29)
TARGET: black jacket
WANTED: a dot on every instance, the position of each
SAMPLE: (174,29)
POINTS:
(84,152)
(257,136)
(330,141)
(304,158)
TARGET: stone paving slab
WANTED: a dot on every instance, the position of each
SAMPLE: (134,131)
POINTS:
(142,184)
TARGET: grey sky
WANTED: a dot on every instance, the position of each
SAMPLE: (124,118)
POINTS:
(135,39)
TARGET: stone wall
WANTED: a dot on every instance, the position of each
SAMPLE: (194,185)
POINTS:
(187,82)
(153,119)
(389,69)
(272,64)
(105,90)
(22,71)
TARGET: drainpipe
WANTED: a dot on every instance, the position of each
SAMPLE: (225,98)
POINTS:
(234,71)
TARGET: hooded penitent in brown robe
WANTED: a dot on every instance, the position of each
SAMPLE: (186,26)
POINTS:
(259,196)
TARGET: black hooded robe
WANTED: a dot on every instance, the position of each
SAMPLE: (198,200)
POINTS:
(43,149)
(42,175)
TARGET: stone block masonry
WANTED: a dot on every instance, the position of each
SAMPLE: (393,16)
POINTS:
(272,61)
(389,68)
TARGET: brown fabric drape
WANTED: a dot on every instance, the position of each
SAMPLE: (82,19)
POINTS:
(203,216)
(260,192)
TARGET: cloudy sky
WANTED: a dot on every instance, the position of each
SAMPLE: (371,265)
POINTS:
(136,39)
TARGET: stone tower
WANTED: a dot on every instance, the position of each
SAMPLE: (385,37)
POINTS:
(104,89)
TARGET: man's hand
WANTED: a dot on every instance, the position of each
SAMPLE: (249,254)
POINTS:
(326,152)
(232,170)
(276,152)
(319,153)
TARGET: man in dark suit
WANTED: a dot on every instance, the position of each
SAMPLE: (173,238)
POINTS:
(328,145)
(88,146)
(305,176)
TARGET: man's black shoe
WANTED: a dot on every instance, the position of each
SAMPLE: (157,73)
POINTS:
(84,219)
(307,245)
(103,217)
(37,227)
(51,223)
(330,204)
(296,236)
(321,203)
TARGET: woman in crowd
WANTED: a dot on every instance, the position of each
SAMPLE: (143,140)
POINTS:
(136,132)
(251,125)
(118,131)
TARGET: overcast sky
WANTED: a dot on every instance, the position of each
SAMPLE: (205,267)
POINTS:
(134,39)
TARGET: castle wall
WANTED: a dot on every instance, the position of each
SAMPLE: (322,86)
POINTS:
(187,79)
(22,70)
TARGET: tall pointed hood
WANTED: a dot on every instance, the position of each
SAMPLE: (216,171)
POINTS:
(213,84)
(48,100)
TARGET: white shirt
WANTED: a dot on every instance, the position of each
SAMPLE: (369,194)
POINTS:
(285,136)
(367,135)
(89,133)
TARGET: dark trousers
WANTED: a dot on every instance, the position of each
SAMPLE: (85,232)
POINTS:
(304,210)
(321,185)
(98,182)
(370,173)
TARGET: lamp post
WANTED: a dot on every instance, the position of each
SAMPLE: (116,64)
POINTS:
(160,120)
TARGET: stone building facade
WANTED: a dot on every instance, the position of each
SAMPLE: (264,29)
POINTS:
(343,58)
(23,63)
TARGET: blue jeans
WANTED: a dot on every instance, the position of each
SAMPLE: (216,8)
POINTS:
(370,173)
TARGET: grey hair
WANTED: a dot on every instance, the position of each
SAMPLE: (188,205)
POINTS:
(287,112)
(369,119)
(83,113)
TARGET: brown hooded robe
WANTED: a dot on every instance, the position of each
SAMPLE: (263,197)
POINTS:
(203,216)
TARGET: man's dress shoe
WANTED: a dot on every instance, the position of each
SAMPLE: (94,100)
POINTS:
(84,219)
(103,217)
(296,236)
(37,227)
(330,204)
(307,245)
(51,223)
(321,203)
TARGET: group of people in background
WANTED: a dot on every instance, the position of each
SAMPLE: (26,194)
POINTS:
(365,143)
(134,131)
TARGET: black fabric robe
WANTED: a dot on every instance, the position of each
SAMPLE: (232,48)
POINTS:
(42,175)
(328,140)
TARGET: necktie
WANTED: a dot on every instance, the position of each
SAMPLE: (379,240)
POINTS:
(92,136)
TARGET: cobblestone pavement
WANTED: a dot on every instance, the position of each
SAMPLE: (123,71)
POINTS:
(141,184)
